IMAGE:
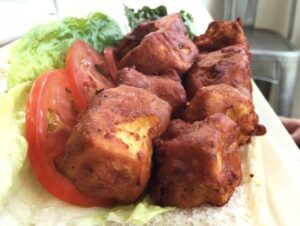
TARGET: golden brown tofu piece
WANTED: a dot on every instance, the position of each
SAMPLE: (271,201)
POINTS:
(220,34)
(109,152)
(134,38)
(228,100)
(167,87)
(196,163)
(157,46)
(229,65)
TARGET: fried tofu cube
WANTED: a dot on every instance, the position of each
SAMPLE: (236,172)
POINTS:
(167,86)
(197,163)
(108,154)
(229,65)
(221,34)
(228,100)
(157,46)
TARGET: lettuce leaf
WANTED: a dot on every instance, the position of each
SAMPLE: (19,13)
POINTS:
(45,46)
(13,144)
(138,214)
(32,205)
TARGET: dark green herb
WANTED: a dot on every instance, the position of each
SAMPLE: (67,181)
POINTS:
(143,14)
(188,21)
(146,13)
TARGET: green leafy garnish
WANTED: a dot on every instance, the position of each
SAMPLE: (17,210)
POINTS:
(188,21)
(146,13)
(143,14)
(44,47)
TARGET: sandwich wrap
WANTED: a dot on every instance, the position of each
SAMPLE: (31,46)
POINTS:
(24,202)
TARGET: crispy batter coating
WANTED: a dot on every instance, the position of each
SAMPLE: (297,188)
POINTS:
(220,34)
(167,87)
(109,152)
(229,65)
(133,39)
(157,46)
(228,100)
(197,163)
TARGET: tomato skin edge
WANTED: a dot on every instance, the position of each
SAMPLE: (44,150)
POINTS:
(110,59)
(80,100)
(82,66)
(44,168)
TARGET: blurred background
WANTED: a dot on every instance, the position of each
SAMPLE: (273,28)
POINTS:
(271,26)
(273,31)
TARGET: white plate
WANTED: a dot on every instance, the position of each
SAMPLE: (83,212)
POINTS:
(281,162)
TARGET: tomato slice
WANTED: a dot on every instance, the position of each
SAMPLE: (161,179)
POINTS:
(49,120)
(87,72)
(110,58)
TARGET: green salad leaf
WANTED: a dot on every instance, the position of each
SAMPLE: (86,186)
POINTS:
(45,46)
(13,145)
(138,214)
(146,13)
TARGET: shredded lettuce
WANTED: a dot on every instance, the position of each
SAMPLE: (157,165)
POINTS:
(45,46)
(13,145)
